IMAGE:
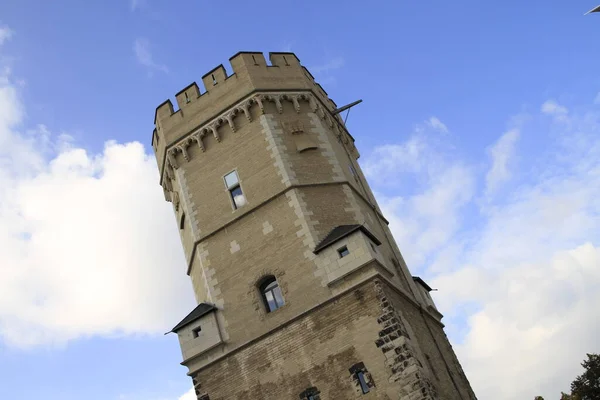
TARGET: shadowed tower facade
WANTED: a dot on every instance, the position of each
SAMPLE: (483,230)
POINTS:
(302,291)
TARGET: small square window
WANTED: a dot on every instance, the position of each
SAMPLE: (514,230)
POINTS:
(343,252)
(196,331)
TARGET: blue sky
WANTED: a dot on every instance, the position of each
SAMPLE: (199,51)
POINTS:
(479,131)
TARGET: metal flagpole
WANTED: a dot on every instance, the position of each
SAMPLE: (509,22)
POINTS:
(595,10)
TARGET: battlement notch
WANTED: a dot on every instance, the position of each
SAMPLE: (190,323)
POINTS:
(250,72)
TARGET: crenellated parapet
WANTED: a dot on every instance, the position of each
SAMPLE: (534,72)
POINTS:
(250,72)
(226,98)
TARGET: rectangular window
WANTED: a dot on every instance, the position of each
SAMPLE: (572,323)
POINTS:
(232,183)
(361,377)
(343,252)
(182,221)
(363,382)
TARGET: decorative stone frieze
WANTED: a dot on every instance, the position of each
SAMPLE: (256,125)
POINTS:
(244,107)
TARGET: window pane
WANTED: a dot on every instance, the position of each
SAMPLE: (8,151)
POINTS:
(343,252)
(363,382)
(270,301)
(278,296)
(238,197)
(270,285)
(231,179)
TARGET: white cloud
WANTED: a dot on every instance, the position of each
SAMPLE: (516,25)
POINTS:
(387,161)
(437,125)
(518,280)
(426,216)
(89,247)
(427,220)
(141,49)
(324,72)
(330,65)
(535,323)
(501,154)
(287,47)
(423,154)
(88,244)
(552,108)
(189,395)
(5,34)
(136,4)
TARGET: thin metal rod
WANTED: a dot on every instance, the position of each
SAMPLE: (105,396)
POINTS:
(597,9)
(339,110)
(346,119)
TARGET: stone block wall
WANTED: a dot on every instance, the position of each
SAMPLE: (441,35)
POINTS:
(360,329)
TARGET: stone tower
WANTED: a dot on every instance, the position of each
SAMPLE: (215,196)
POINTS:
(302,291)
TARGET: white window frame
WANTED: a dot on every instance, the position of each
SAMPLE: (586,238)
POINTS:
(230,188)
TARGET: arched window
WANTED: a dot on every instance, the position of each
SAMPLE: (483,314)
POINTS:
(271,293)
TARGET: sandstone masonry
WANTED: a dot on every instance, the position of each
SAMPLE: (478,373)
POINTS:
(302,291)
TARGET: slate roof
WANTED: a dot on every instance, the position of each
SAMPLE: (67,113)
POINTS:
(340,232)
(201,310)
(422,283)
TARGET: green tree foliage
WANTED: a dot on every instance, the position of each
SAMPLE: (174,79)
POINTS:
(564,396)
(587,385)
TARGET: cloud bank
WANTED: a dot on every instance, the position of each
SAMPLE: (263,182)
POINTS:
(88,244)
(518,275)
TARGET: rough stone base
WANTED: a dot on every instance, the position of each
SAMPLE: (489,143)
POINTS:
(322,351)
